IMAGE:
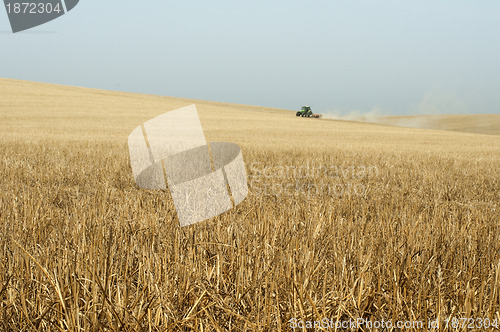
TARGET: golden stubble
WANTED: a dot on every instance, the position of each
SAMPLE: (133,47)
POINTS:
(84,249)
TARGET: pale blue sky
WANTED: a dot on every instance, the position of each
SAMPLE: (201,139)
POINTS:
(386,56)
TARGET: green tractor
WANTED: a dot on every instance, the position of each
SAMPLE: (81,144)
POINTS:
(306,112)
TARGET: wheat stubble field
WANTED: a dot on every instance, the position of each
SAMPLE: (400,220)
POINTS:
(84,249)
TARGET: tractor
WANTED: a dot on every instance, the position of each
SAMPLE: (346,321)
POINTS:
(306,112)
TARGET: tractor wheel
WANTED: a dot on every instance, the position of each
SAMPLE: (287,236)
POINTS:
(297,114)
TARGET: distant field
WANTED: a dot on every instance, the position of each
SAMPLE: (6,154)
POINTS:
(344,220)
(488,124)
